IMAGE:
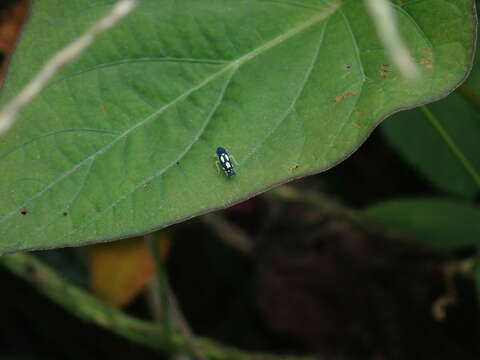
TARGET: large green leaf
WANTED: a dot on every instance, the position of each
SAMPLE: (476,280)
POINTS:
(123,140)
(440,223)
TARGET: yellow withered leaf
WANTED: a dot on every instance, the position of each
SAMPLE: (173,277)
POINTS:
(120,270)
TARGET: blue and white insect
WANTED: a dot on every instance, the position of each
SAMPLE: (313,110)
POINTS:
(225,161)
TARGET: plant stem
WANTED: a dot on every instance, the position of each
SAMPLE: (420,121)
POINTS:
(383,16)
(170,315)
(64,56)
(467,165)
(181,324)
(87,307)
(161,279)
(230,233)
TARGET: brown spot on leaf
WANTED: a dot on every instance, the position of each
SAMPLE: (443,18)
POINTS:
(357,125)
(427,60)
(428,52)
(346,94)
(23,212)
(384,71)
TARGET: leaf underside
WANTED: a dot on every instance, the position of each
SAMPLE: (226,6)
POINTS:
(123,141)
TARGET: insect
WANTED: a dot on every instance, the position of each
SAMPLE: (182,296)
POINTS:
(225,161)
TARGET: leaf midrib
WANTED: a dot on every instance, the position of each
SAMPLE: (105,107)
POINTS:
(231,66)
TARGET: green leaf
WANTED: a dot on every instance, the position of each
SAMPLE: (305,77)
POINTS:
(123,140)
(436,222)
(414,137)
(411,134)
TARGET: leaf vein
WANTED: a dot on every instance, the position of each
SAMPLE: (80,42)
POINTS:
(291,107)
(357,98)
(140,60)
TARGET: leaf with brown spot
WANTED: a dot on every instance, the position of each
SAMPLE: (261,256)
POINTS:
(346,94)
(196,75)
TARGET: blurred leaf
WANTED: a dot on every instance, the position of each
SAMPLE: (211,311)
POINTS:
(471,88)
(437,222)
(120,271)
(416,140)
(123,140)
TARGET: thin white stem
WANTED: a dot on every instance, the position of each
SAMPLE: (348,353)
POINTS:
(61,58)
(386,24)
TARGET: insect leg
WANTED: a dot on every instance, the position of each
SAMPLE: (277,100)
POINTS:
(234,160)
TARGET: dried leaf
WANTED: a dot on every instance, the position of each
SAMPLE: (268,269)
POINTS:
(120,271)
